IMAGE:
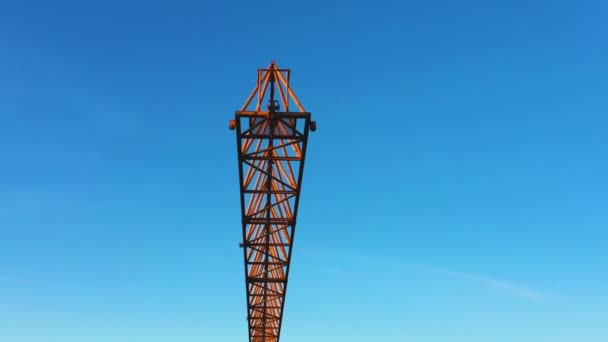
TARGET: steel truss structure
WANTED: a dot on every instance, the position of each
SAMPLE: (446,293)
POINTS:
(271,146)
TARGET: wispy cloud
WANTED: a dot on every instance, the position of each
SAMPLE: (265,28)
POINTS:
(507,287)
(11,280)
(48,282)
(11,276)
(494,283)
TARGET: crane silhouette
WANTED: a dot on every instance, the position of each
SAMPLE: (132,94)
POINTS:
(271,147)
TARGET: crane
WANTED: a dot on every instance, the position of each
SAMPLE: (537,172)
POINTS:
(271,147)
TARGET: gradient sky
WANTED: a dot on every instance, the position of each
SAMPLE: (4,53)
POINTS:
(456,188)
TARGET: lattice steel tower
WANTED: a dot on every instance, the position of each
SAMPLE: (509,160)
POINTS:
(271,146)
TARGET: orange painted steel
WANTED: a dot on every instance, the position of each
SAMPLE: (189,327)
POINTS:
(271,146)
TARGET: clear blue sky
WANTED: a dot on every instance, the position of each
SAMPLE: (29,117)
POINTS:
(456,188)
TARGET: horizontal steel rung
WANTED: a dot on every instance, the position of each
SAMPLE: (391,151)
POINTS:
(266,220)
(272,158)
(262,244)
(261,280)
(281,192)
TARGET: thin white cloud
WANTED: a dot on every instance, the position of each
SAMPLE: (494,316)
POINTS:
(504,286)
(11,280)
(494,283)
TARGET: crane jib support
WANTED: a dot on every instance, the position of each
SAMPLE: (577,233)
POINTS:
(271,146)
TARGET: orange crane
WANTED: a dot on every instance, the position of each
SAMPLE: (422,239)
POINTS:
(271,147)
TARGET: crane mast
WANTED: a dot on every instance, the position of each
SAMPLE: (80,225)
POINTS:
(271,147)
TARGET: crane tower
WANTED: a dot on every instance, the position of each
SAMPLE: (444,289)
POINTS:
(271,146)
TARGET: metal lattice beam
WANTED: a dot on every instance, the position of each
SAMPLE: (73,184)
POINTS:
(271,146)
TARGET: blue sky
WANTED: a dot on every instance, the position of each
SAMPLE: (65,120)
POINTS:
(455,190)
